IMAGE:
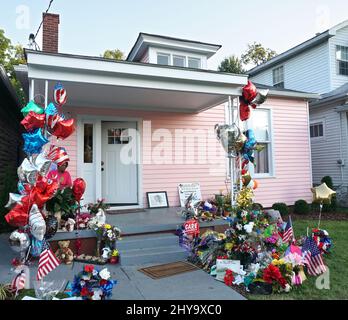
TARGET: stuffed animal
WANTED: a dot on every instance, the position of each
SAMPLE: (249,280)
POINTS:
(69,225)
(64,253)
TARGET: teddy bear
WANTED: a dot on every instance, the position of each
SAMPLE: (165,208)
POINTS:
(64,253)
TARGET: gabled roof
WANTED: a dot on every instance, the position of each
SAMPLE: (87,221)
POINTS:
(145,39)
(340,93)
(313,42)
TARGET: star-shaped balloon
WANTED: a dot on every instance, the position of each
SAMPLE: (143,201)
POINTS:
(33,142)
(322,194)
(33,121)
(32,106)
(51,110)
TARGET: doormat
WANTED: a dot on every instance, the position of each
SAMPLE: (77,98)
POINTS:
(124,211)
(168,270)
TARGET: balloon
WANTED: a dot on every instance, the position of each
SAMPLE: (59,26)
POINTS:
(322,194)
(229,136)
(37,223)
(249,92)
(60,127)
(79,187)
(246,178)
(36,247)
(51,227)
(18,216)
(261,98)
(42,164)
(32,106)
(14,198)
(33,121)
(240,142)
(23,188)
(19,241)
(43,191)
(60,95)
(33,142)
(27,172)
(58,155)
(51,110)
(256,184)
(244,110)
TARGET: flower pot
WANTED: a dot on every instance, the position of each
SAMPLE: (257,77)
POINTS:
(114,260)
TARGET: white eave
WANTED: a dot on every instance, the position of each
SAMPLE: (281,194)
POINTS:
(156,87)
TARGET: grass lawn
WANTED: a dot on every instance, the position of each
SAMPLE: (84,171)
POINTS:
(336,262)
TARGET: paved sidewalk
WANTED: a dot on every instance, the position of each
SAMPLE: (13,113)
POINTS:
(132,284)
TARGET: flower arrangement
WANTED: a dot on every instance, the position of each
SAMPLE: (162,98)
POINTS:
(108,233)
(93,208)
(82,220)
(91,284)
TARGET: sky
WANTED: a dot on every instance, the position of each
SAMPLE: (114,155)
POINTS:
(90,27)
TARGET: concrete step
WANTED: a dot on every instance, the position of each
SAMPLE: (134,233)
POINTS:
(147,241)
(157,255)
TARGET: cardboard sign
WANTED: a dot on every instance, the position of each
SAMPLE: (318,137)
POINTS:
(223,265)
(191,227)
(186,189)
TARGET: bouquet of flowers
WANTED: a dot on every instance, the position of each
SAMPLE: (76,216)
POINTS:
(93,208)
(82,220)
(91,284)
(107,233)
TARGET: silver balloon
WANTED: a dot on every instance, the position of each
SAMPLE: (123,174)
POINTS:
(261,97)
(19,242)
(37,223)
(42,164)
(27,172)
(229,136)
(14,199)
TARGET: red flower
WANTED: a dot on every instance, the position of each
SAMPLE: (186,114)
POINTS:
(103,282)
(229,278)
(89,268)
(272,273)
(85,292)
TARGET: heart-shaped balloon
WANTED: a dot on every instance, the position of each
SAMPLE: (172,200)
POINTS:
(18,216)
(60,127)
(33,121)
(79,187)
(33,142)
(32,106)
(37,223)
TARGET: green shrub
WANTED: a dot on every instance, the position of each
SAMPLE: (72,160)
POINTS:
(301,207)
(282,208)
(333,205)
(257,206)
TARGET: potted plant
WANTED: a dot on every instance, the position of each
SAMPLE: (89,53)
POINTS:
(220,202)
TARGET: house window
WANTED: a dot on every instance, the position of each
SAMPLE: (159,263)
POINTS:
(118,136)
(194,63)
(88,143)
(163,59)
(317,130)
(278,77)
(342,60)
(179,61)
(261,124)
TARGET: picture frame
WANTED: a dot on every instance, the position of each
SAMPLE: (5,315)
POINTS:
(157,200)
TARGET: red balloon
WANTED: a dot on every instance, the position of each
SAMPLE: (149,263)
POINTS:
(79,187)
(244,111)
(33,121)
(18,216)
(249,92)
(61,128)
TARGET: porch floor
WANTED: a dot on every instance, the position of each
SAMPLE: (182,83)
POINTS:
(154,220)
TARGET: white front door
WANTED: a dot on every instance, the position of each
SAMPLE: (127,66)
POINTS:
(119,168)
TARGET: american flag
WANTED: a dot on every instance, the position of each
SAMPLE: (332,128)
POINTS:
(289,232)
(18,283)
(47,262)
(312,258)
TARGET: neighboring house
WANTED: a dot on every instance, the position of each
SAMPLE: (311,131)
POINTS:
(165,94)
(10,131)
(319,65)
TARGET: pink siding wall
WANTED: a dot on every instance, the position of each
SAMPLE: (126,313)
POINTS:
(291,155)
(292,179)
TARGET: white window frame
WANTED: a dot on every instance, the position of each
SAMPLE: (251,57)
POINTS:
(194,58)
(170,62)
(340,60)
(283,78)
(179,56)
(270,142)
(317,122)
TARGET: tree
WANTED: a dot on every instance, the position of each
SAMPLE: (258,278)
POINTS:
(11,55)
(231,64)
(114,54)
(257,54)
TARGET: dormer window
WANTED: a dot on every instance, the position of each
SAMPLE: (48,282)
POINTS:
(194,63)
(163,59)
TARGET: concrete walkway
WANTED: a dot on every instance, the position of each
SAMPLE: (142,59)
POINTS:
(132,284)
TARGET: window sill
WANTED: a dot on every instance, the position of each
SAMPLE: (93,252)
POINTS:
(264,176)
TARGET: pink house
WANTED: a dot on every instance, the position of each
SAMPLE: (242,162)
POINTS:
(147,124)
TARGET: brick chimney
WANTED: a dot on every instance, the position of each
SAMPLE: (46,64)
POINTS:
(50,32)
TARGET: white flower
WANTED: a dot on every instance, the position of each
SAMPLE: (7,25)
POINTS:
(97,295)
(85,277)
(105,274)
(244,214)
(239,226)
(95,272)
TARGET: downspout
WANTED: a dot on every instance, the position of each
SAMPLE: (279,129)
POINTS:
(341,154)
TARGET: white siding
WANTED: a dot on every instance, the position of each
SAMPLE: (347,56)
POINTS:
(341,39)
(308,71)
(326,150)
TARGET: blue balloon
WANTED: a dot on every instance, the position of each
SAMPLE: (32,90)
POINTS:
(51,110)
(33,142)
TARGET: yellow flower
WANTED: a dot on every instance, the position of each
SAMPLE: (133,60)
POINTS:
(276,262)
(228,246)
(115,253)
(107,226)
